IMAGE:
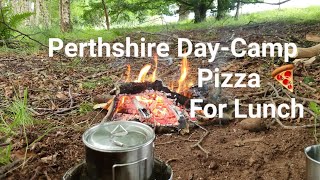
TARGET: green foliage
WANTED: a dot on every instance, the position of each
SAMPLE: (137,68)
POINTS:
(19,117)
(5,153)
(19,112)
(4,126)
(123,11)
(12,20)
(308,79)
(85,108)
(315,108)
(92,84)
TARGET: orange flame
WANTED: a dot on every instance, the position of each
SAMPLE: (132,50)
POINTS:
(183,76)
(128,73)
(154,74)
(143,73)
(120,103)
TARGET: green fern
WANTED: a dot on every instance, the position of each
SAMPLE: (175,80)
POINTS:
(16,19)
(12,20)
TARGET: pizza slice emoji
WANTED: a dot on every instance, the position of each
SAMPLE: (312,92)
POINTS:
(284,75)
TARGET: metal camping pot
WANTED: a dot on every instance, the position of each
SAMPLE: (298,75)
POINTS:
(119,150)
(313,162)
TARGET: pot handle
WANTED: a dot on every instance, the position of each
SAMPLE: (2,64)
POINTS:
(128,170)
(119,131)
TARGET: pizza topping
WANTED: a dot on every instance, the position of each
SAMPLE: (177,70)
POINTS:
(287,74)
(290,86)
(285,81)
(279,77)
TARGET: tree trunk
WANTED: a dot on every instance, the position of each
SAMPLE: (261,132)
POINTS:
(106,13)
(65,20)
(41,17)
(237,10)
(200,13)
(220,10)
(183,12)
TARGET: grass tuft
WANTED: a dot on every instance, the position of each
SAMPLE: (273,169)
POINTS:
(18,117)
(20,114)
(5,153)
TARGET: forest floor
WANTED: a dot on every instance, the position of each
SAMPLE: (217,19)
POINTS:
(55,143)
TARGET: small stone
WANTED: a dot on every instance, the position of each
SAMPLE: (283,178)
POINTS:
(213,165)
(253,124)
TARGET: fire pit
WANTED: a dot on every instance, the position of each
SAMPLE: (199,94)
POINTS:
(148,101)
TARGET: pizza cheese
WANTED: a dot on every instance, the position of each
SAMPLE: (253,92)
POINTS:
(284,75)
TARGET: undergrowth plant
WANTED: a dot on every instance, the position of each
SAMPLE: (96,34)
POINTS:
(5,153)
(20,114)
(17,117)
(13,20)
(316,109)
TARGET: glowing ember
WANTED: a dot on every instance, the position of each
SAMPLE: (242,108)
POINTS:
(154,102)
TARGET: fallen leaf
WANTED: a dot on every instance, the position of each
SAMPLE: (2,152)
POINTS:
(61,96)
(49,159)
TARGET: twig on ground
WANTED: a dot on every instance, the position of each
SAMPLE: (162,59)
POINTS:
(70,97)
(302,98)
(198,144)
(66,109)
(6,168)
(4,144)
(275,89)
(291,127)
(307,86)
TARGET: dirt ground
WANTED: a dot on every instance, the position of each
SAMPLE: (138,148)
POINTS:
(234,153)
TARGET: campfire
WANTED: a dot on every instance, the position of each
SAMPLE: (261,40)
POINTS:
(147,100)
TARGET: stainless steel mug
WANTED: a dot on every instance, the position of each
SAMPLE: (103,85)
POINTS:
(313,162)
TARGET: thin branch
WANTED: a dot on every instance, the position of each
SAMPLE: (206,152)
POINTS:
(198,144)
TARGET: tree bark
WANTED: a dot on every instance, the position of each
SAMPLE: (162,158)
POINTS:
(220,10)
(106,13)
(237,10)
(65,19)
(41,17)
(200,12)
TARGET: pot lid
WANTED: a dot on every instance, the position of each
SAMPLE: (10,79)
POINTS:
(118,136)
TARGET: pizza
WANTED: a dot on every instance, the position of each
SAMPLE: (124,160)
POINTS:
(284,75)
